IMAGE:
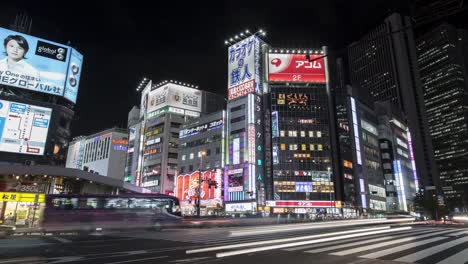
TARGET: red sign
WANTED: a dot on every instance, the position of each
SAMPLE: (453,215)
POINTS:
(241,90)
(296,68)
(301,203)
(187,185)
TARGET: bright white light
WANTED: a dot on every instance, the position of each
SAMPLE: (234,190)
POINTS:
(460,218)
(287,51)
(261,30)
(264,33)
(282,228)
(231,39)
(242,34)
(236,37)
(301,243)
(226,42)
(282,51)
(281,240)
(247,31)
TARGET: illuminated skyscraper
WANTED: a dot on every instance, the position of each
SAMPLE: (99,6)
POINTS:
(442,61)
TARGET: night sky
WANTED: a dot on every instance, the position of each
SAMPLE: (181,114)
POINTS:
(124,41)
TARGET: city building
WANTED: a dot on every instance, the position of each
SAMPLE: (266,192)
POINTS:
(103,153)
(397,159)
(244,176)
(442,60)
(201,150)
(359,155)
(154,138)
(303,179)
(383,67)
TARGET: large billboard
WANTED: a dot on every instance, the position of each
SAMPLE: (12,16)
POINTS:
(23,127)
(187,185)
(39,65)
(296,68)
(241,67)
(174,95)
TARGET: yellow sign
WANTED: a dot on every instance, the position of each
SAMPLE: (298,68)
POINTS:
(22,197)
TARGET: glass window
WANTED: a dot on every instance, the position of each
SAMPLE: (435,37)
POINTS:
(283,146)
(282,133)
(319,134)
(311,133)
(319,147)
(183,157)
(303,133)
(191,155)
(304,147)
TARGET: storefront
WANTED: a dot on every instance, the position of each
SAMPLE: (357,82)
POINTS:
(21,209)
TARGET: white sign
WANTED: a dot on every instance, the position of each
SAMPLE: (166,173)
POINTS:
(236,171)
(23,127)
(241,67)
(174,95)
(150,183)
(240,207)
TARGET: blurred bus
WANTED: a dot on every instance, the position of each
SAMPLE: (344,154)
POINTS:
(88,213)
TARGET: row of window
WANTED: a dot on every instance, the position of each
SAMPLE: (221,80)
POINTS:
(199,154)
(303,147)
(97,150)
(295,133)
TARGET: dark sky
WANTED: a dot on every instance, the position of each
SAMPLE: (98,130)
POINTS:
(123,41)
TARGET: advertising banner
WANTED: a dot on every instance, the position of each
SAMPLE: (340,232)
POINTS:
(39,65)
(241,67)
(279,203)
(23,127)
(187,132)
(187,185)
(174,95)
(296,68)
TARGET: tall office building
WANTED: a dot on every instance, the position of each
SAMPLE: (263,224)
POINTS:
(443,60)
(154,139)
(383,65)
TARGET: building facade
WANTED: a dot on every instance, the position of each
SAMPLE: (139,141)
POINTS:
(398,163)
(201,151)
(383,67)
(103,153)
(442,61)
(165,107)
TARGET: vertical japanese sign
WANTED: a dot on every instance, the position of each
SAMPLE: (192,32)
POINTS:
(251,143)
(241,67)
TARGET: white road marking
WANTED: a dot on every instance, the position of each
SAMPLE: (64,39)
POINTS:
(389,251)
(432,250)
(252,250)
(383,244)
(334,245)
(283,240)
(459,258)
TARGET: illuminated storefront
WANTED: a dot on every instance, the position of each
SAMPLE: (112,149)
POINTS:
(21,209)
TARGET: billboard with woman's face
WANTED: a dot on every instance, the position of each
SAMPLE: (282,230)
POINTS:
(39,65)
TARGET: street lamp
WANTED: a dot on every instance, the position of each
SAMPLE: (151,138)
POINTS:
(202,154)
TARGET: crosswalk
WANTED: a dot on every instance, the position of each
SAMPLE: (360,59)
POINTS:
(428,245)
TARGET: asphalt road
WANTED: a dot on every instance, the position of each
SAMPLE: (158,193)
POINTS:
(263,244)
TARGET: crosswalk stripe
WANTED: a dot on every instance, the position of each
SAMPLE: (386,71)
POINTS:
(346,244)
(459,233)
(285,240)
(432,250)
(389,251)
(383,244)
(459,258)
(304,242)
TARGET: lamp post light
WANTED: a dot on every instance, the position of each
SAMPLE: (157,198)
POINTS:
(202,154)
